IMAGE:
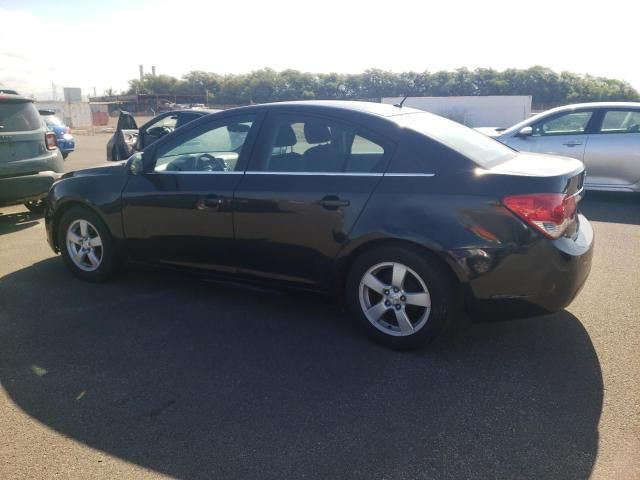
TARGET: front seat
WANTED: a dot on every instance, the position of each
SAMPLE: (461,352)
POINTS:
(323,157)
(289,161)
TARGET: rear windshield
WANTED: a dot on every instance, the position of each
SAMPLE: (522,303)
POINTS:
(52,120)
(19,117)
(482,150)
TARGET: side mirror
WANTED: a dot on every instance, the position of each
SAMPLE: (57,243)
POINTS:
(525,132)
(136,163)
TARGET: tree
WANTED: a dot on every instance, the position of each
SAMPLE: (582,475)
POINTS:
(547,87)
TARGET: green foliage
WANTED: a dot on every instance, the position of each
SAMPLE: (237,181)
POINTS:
(547,87)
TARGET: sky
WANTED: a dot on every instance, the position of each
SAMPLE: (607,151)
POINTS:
(99,44)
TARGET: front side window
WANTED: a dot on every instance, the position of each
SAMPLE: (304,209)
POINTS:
(210,148)
(298,143)
(568,124)
(164,125)
(621,121)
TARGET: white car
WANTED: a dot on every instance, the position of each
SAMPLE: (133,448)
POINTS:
(604,136)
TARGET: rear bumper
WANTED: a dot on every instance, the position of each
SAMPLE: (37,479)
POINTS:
(14,190)
(546,274)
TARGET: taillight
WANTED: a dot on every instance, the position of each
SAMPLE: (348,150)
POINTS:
(50,140)
(549,213)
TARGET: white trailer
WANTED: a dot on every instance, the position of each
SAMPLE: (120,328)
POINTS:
(473,111)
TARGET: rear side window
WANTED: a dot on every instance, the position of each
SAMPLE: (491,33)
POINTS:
(300,143)
(621,121)
(19,117)
(474,145)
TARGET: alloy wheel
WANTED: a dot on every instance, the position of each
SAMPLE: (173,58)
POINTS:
(394,299)
(84,245)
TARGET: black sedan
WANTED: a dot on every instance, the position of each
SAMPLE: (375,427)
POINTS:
(403,213)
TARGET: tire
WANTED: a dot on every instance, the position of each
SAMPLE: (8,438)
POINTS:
(429,303)
(35,206)
(97,263)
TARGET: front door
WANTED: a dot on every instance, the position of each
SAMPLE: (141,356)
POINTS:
(564,134)
(301,195)
(180,210)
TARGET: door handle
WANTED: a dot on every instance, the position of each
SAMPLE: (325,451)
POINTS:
(332,202)
(209,202)
(572,144)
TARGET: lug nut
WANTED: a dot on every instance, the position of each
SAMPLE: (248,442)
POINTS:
(387,303)
(403,298)
(386,292)
(398,306)
(395,289)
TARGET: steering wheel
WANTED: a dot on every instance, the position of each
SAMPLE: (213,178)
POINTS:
(209,163)
(159,131)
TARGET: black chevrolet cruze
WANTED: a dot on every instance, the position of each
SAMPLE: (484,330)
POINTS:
(403,213)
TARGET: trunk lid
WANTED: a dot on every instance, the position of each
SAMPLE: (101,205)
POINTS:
(534,172)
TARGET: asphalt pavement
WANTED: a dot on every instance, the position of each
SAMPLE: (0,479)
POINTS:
(165,374)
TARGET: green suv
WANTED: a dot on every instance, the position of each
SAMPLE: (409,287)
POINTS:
(29,158)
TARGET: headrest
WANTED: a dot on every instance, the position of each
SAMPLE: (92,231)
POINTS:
(316,132)
(286,136)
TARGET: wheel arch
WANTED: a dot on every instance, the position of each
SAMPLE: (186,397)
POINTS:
(65,207)
(347,259)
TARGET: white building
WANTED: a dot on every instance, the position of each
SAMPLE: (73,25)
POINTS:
(473,111)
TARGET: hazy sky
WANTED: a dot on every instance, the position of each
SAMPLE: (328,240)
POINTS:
(100,44)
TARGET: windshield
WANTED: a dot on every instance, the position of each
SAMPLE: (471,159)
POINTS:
(477,147)
(19,117)
(52,120)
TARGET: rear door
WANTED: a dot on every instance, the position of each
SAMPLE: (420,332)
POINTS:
(612,157)
(562,134)
(301,195)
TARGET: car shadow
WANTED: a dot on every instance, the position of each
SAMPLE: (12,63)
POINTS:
(14,222)
(199,380)
(615,207)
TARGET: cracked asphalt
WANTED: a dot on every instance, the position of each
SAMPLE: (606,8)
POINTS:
(158,374)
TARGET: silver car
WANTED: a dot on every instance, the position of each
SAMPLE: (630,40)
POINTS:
(605,136)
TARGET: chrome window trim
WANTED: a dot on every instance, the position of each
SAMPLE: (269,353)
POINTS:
(171,172)
(409,174)
(333,174)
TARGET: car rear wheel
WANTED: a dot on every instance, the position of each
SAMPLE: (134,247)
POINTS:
(402,297)
(86,245)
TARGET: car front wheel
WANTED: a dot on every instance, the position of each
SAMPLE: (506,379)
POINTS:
(86,245)
(402,297)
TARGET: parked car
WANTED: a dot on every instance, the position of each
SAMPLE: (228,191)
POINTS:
(65,140)
(128,138)
(605,136)
(29,158)
(405,213)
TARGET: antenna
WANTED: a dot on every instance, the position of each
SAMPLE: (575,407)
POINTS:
(399,105)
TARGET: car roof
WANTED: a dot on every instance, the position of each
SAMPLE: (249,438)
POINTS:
(203,111)
(576,106)
(13,98)
(372,108)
